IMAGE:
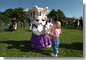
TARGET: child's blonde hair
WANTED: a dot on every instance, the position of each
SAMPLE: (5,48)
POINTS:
(58,24)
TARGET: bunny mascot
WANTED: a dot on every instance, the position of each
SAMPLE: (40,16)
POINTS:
(40,38)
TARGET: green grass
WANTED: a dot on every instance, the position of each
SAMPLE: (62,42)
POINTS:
(16,44)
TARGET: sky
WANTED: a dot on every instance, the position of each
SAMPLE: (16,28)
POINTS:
(71,8)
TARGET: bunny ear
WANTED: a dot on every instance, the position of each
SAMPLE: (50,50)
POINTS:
(36,10)
(44,11)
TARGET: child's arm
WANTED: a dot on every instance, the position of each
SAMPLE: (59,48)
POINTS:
(60,31)
(51,35)
(54,34)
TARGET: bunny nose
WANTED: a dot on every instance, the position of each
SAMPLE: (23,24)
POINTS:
(37,20)
(41,23)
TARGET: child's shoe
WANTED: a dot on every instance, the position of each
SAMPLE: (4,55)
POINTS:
(49,46)
(57,51)
(54,55)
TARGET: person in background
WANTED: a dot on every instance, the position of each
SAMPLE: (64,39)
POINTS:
(50,20)
(30,23)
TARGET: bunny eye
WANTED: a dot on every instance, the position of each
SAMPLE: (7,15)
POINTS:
(43,20)
(37,20)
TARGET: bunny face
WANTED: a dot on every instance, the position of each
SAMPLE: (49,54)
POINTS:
(40,19)
(40,15)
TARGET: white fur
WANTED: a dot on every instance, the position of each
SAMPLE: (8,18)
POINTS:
(15,26)
(48,27)
(40,21)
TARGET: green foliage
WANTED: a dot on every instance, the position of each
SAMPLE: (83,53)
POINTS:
(5,18)
(21,14)
(9,12)
(17,12)
(60,15)
(53,14)
(56,15)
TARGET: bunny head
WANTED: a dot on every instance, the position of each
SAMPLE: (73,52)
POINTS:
(40,15)
(40,20)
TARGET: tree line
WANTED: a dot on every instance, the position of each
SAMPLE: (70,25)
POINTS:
(21,15)
(17,13)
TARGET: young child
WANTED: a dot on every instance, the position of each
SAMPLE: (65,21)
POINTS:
(54,34)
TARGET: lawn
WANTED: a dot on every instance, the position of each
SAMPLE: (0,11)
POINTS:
(16,44)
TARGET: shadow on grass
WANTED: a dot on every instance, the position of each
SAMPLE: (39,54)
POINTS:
(73,46)
(5,30)
(8,30)
(23,46)
(27,30)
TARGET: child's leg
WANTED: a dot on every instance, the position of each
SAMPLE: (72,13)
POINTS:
(55,45)
(58,42)
(54,49)
(30,26)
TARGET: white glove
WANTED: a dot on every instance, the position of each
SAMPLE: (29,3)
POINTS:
(35,31)
(40,28)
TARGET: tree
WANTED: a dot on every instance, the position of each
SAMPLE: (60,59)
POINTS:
(53,14)
(20,14)
(5,17)
(56,15)
(60,15)
(0,16)
(17,13)
(9,12)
